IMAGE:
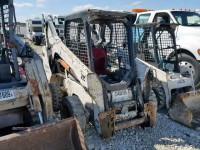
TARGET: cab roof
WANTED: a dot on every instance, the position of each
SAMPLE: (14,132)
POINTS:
(167,10)
(91,15)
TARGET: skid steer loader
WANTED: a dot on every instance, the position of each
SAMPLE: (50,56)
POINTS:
(26,98)
(155,44)
(97,66)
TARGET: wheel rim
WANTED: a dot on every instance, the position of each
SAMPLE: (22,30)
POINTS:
(188,65)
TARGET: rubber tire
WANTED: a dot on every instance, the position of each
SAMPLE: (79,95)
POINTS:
(56,96)
(195,63)
(73,105)
(160,95)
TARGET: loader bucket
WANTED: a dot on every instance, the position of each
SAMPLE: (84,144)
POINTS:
(186,109)
(63,135)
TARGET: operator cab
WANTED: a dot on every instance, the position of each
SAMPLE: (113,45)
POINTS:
(110,50)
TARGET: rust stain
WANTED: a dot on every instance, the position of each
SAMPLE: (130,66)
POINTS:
(37,104)
(48,94)
(107,122)
(49,107)
(130,123)
(49,111)
(186,109)
(31,76)
(188,94)
(34,87)
(185,95)
(151,112)
(65,134)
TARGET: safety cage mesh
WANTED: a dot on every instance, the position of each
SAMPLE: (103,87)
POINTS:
(119,45)
(155,45)
(75,39)
(114,40)
(5,15)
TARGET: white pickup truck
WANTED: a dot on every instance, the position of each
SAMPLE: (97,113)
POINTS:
(187,35)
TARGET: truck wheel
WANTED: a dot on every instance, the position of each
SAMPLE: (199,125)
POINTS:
(192,64)
(72,107)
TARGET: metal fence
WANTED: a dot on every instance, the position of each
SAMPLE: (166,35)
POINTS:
(156,44)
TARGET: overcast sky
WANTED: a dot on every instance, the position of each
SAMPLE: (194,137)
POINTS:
(26,9)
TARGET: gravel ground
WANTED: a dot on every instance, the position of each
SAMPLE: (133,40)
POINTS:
(166,135)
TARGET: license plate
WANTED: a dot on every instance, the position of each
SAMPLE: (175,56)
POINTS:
(6,95)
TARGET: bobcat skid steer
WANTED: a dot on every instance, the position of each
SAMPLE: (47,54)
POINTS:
(97,66)
(25,97)
(155,44)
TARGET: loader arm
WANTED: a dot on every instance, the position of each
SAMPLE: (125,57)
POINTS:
(77,68)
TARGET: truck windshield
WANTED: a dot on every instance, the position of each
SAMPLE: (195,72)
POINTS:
(37,29)
(187,18)
(36,22)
